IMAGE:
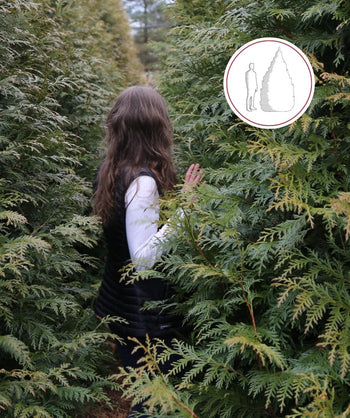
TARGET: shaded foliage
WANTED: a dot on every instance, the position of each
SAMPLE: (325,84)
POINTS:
(62,63)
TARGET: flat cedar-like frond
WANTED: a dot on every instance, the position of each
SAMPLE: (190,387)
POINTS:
(18,247)
(74,232)
(13,253)
(319,300)
(283,154)
(248,339)
(147,384)
(318,10)
(341,206)
(22,382)
(337,341)
(12,218)
(25,411)
(16,349)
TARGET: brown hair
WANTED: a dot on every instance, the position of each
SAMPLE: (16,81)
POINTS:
(139,135)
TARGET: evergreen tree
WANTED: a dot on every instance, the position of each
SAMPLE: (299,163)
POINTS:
(261,261)
(150,25)
(60,69)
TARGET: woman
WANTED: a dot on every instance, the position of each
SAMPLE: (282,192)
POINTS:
(138,167)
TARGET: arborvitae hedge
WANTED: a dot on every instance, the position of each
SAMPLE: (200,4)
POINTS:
(61,65)
(262,260)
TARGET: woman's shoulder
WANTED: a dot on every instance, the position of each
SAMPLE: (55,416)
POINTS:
(143,188)
(144,184)
(145,177)
(145,171)
(142,181)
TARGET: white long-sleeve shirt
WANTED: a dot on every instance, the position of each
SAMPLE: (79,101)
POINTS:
(141,221)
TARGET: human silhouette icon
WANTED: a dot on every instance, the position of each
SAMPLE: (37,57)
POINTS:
(252,87)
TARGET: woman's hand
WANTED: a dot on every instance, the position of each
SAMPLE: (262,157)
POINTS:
(192,179)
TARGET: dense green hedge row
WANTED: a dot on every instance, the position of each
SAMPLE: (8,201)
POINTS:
(61,65)
(262,261)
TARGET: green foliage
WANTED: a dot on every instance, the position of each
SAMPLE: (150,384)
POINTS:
(261,261)
(60,68)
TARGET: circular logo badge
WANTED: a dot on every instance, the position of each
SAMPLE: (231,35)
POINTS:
(269,83)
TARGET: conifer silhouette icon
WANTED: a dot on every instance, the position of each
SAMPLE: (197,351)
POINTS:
(277,88)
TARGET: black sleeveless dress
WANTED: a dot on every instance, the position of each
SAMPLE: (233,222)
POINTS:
(125,300)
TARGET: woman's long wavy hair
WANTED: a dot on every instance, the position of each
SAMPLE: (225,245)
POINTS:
(139,135)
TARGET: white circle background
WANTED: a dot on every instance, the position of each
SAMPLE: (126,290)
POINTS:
(261,52)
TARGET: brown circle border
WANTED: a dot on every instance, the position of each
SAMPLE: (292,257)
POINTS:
(310,74)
